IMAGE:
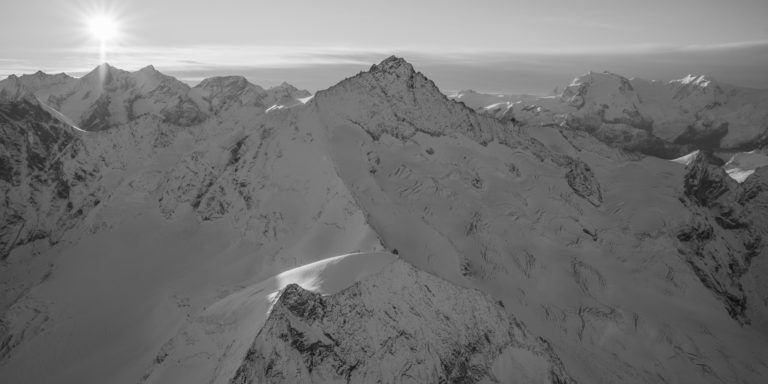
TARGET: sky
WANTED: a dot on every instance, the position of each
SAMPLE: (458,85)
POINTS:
(488,45)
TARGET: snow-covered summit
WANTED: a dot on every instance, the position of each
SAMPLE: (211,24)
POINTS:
(667,119)
(13,89)
(285,95)
(41,80)
(395,65)
(605,91)
(224,92)
(395,99)
(701,80)
(108,96)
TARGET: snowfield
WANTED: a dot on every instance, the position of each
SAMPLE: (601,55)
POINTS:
(377,231)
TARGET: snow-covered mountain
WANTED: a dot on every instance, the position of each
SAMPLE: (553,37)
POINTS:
(378,231)
(108,97)
(226,92)
(653,117)
(474,99)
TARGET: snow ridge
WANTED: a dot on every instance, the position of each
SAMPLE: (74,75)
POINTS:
(374,331)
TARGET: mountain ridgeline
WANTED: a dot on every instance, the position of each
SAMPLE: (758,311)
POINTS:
(378,231)
(663,119)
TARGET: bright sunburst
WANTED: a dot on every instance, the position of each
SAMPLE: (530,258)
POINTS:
(103,27)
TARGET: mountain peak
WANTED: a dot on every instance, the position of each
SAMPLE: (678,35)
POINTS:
(149,68)
(230,82)
(104,72)
(393,64)
(595,77)
(12,89)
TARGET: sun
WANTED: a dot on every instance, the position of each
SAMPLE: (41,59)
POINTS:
(103,27)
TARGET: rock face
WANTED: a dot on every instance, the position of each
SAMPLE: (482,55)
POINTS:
(39,185)
(726,231)
(583,182)
(376,330)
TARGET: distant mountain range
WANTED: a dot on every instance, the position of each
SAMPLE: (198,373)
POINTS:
(665,119)
(107,97)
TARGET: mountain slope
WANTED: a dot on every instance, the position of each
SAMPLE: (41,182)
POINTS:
(170,276)
(374,330)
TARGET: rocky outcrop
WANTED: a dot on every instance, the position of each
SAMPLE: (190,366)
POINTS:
(725,232)
(401,325)
(36,184)
(583,181)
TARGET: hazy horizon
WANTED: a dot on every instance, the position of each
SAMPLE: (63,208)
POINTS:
(491,46)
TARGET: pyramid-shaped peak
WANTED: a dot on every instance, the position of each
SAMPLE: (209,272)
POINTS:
(108,67)
(104,70)
(12,89)
(286,86)
(393,64)
(149,68)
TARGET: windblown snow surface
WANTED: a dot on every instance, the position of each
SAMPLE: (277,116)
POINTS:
(375,232)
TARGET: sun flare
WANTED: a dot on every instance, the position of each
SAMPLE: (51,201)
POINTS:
(103,28)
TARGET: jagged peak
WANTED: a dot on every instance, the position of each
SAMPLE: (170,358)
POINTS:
(393,64)
(103,71)
(13,89)
(705,158)
(144,80)
(299,301)
(286,90)
(149,69)
(284,86)
(43,75)
(706,180)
